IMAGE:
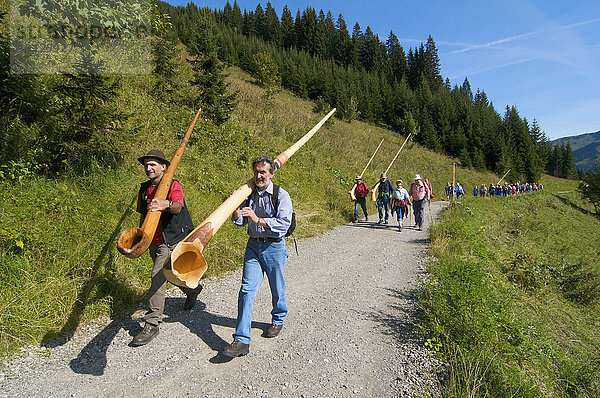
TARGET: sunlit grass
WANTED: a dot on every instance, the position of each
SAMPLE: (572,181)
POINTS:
(515,287)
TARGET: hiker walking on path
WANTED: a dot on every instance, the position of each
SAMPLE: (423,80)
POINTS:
(419,192)
(401,201)
(384,198)
(361,192)
(268,214)
(175,223)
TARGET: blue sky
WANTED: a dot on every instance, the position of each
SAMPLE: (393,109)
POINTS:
(541,56)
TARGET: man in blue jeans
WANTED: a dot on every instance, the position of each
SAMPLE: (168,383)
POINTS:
(266,253)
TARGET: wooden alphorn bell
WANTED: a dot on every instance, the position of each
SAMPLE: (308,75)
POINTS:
(133,242)
(187,264)
(374,191)
(352,191)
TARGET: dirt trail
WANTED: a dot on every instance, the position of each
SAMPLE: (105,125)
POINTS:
(349,332)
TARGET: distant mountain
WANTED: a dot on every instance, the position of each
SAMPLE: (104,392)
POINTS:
(586,149)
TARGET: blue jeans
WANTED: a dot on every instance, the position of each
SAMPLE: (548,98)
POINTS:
(399,213)
(383,204)
(261,258)
(362,202)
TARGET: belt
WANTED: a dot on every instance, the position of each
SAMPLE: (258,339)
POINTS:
(259,239)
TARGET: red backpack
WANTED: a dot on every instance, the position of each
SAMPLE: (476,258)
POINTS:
(362,190)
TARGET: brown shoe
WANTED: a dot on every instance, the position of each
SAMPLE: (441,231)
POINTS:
(236,349)
(273,331)
(146,335)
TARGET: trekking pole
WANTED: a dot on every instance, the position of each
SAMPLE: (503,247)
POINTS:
(430,217)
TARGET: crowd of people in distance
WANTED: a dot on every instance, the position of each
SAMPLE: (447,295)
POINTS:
(506,189)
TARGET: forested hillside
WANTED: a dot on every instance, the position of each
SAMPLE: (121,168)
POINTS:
(316,57)
(585,147)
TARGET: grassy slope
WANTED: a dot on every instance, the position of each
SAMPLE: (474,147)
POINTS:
(514,295)
(58,262)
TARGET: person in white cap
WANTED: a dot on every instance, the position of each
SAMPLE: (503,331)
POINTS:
(419,192)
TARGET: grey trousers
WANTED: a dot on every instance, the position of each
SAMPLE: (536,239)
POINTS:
(158,287)
(419,210)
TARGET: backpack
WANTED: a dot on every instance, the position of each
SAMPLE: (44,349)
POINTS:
(275,203)
(362,190)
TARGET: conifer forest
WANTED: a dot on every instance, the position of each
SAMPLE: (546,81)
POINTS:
(313,54)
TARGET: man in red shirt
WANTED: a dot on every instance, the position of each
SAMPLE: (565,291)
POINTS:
(175,224)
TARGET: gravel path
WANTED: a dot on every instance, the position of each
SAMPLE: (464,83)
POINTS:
(349,332)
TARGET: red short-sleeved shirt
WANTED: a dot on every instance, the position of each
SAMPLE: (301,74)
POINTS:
(175,195)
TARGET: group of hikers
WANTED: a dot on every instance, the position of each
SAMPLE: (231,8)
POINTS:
(392,200)
(506,189)
(483,191)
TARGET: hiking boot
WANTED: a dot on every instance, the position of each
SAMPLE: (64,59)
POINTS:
(190,300)
(146,335)
(236,349)
(273,331)
(379,222)
(366,218)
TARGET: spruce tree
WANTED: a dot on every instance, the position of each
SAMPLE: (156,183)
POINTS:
(287,28)
(209,79)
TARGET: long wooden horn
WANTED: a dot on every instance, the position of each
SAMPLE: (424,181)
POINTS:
(505,174)
(352,191)
(187,263)
(133,242)
(374,191)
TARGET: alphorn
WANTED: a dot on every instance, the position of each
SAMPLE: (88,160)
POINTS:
(133,242)
(351,192)
(374,191)
(187,264)
(505,174)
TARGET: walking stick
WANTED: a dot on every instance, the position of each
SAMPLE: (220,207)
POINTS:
(373,197)
(187,263)
(430,217)
(351,192)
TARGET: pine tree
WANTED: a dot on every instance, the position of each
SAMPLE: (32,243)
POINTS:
(342,42)
(568,162)
(209,79)
(397,64)
(432,68)
(287,28)
(272,25)
(82,118)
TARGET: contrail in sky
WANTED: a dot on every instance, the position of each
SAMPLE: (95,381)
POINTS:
(525,35)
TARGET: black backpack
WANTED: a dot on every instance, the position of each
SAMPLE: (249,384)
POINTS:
(275,203)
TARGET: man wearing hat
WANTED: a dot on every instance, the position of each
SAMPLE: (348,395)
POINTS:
(361,192)
(384,198)
(419,192)
(175,224)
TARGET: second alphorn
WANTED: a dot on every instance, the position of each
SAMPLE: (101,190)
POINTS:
(187,264)
(373,197)
(351,192)
(133,242)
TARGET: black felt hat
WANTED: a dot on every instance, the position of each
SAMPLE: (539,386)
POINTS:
(155,154)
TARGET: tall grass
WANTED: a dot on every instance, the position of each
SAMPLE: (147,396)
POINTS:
(513,298)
